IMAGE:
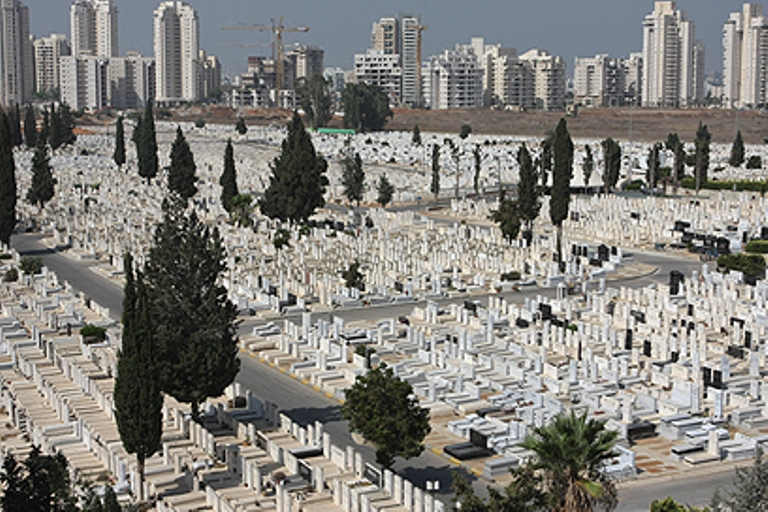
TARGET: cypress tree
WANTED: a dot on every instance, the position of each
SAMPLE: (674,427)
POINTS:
(119,154)
(181,175)
(611,163)
(652,176)
(146,145)
(588,166)
(507,217)
(67,124)
(41,189)
(8,191)
(703,139)
(528,204)
(30,128)
(434,186)
(353,178)
(416,138)
(193,320)
(478,166)
(45,129)
(562,173)
(56,135)
(15,120)
(385,191)
(241,127)
(138,400)
(298,181)
(545,160)
(678,167)
(228,179)
(737,151)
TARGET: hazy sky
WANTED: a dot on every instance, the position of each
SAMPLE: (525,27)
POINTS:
(569,28)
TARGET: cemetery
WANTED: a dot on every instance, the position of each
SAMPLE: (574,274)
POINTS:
(678,364)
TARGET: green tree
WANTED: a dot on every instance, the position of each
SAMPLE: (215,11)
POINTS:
(588,165)
(545,159)
(228,179)
(353,178)
(8,189)
(385,191)
(670,505)
(45,129)
(298,181)
(478,159)
(755,162)
(138,399)
(750,488)
(434,186)
(193,318)
(562,173)
(749,264)
(40,483)
(352,276)
(570,453)
(465,130)
(110,500)
(416,137)
(41,189)
(241,209)
(12,478)
(30,128)
(67,124)
(241,127)
(702,141)
(56,135)
(611,163)
(652,172)
(383,408)
(366,107)
(181,175)
(119,154)
(523,494)
(146,144)
(737,151)
(528,204)
(315,100)
(14,118)
(675,145)
(507,217)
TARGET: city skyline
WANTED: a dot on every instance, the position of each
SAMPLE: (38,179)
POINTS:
(581,29)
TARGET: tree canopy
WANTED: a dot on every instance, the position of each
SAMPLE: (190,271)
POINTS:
(297,185)
(194,321)
(119,154)
(181,174)
(241,127)
(39,483)
(383,408)
(146,144)
(562,174)
(508,217)
(588,165)
(385,191)
(353,177)
(416,137)
(228,179)
(315,100)
(30,127)
(611,163)
(41,190)
(528,192)
(8,187)
(366,107)
(737,151)
(434,186)
(675,145)
(701,166)
(750,488)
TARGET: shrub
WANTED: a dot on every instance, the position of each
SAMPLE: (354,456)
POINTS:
(634,185)
(11,275)
(31,265)
(93,334)
(200,123)
(749,264)
(740,185)
(511,276)
(758,246)
(755,162)
(5,256)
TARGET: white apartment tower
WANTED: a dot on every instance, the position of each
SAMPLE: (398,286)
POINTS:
(745,58)
(16,64)
(670,58)
(48,51)
(93,26)
(548,73)
(599,81)
(177,48)
(454,79)
(381,69)
(402,36)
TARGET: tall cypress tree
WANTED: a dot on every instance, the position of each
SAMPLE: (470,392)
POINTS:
(228,179)
(562,173)
(41,189)
(588,166)
(737,151)
(298,181)
(674,144)
(56,135)
(15,120)
(45,129)
(652,176)
(119,154)
(545,160)
(385,191)
(528,204)
(478,166)
(67,124)
(353,178)
(181,175)
(434,186)
(30,128)
(138,400)
(194,321)
(703,139)
(146,145)
(611,163)
(8,191)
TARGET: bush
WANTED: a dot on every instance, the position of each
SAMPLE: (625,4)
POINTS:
(740,185)
(511,276)
(200,123)
(11,276)
(30,265)
(758,246)
(5,256)
(634,185)
(755,162)
(749,264)
(93,334)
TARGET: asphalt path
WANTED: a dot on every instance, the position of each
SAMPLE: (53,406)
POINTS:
(305,406)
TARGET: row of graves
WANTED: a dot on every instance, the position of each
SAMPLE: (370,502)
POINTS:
(684,361)
(57,393)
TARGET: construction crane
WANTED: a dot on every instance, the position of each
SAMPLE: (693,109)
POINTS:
(419,88)
(278,54)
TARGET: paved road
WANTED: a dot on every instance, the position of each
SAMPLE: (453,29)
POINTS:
(305,405)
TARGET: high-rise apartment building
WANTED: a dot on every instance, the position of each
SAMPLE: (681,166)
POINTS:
(48,51)
(131,81)
(93,26)
(84,82)
(670,58)
(745,58)
(16,60)
(453,79)
(548,73)
(381,69)
(177,49)
(402,36)
(599,81)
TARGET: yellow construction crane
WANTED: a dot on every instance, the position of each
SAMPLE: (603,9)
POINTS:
(277,31)
(419,87)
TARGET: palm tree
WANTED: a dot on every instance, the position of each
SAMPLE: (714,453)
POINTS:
(570,453)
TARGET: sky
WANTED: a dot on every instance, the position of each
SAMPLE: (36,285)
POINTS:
(569,28)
